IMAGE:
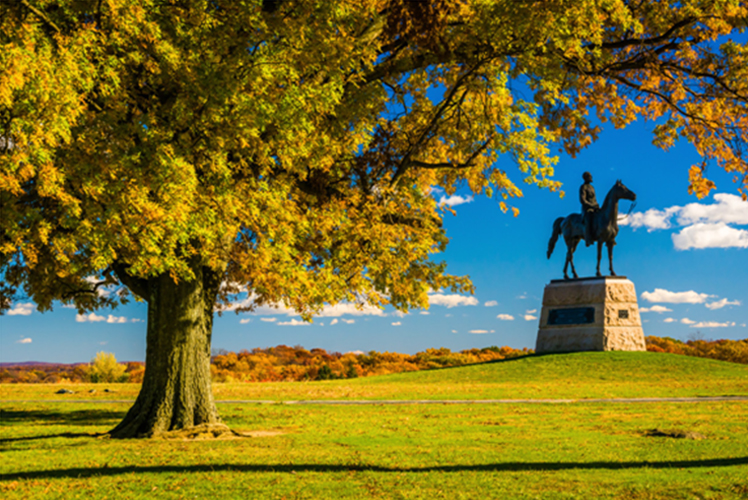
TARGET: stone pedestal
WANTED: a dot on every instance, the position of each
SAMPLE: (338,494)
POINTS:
(590,314)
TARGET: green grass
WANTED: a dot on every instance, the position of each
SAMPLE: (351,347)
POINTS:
(580,450)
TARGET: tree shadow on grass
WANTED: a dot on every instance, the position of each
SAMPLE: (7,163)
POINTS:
(52,436)
(82,472)
(79,418)
(53,417)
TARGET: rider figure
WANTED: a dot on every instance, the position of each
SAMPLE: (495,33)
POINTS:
(589,207)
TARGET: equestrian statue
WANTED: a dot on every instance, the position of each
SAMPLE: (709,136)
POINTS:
(594,224)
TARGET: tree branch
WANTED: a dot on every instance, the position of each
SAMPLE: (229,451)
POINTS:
(406,161)
(40,14)
(665,98)
(466,164)
(138,286)
(620,44)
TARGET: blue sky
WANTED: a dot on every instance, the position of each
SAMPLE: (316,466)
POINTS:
(688,259)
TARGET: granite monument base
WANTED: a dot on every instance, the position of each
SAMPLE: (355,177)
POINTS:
(590,314)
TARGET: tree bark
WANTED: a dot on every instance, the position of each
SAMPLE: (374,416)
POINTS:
(176,392)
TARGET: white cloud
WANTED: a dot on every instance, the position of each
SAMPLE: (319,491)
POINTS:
(452,300)
(424,313)
(481,332)
(712,324)
(706,225)
(294,322)
(244,321)
(346,308)
(24,309)
(396,323)
(662,295)
(522,296)
(454,331)
(25,340)
(722,303)
(710,236)
(455,200)
(669,320)
(136,320)
(531,311)
(730,209)
(90,318)
(655,309)
(491,303)
(348,321)
(337,310)
(652,219)
(530,317)
(334,322)
(399,314)
(505,317)
(95,318)
(687,321)
(269,320)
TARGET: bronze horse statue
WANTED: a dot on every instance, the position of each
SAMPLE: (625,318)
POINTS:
(605,228)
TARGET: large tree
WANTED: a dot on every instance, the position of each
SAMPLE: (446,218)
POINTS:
(191,150)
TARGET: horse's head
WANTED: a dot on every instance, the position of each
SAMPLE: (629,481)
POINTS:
(621,192)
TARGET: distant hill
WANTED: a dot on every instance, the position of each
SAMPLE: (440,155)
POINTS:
(40,364)
(44,364)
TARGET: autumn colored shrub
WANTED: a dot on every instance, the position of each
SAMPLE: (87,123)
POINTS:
(735,351)
(105,368)
(135,371)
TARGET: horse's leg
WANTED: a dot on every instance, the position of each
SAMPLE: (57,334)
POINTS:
(568,259)
(599,255)
(572,249)
(610,257)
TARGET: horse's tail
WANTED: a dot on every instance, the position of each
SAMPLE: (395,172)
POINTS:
(554,236)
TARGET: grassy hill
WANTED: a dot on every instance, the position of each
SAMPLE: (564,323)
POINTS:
(592,450)
(588,374)
(572,376)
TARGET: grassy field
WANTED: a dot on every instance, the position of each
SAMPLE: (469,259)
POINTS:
(574,376)
(579,450)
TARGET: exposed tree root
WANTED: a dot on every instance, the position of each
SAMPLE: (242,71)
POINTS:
(204,432)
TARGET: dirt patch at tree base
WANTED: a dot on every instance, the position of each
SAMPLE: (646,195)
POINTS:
(206,432)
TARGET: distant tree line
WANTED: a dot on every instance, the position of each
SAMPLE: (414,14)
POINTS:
(284,363)
(103,368)
(735,351)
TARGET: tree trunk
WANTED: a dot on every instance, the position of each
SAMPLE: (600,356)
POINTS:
(176,392)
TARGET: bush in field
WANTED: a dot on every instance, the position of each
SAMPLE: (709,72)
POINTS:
(104,368)
(135,371)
